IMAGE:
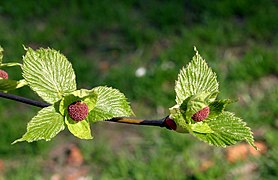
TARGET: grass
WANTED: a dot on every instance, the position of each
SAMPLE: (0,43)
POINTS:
(107,44)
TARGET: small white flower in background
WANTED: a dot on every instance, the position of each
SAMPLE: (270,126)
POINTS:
(140,72)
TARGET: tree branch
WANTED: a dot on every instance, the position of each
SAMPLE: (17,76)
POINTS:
(24,100)
(126,120)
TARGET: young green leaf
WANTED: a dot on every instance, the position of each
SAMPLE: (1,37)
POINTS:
(110,103)
(218,106)
(1,54)
(45,125)
(88,96)
(8,85)
(196,78)
(195,103)
(227,130)
(79,129)
(10,64)
(65,102)
(201,127)
(48,73)
(197,111)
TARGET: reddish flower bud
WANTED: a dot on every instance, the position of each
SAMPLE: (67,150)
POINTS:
(201,115)
(78,111)
(3,74)
(170,124)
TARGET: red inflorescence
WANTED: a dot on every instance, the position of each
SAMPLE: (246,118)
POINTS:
(3,74)
(201,115)
(78,111)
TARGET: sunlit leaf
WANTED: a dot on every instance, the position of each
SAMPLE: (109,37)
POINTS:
(227,130)
(110,103)
(201,127)
(195,103)
(48,73)
(45,125)
(196,78)
(79,129)
(1,54)
(218,107)
(10,64)
(8,84)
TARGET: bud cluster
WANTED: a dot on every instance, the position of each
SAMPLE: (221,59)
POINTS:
(78,111)
(3,74)
(201,115)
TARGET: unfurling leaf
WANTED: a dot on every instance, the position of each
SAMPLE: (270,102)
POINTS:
(10,64)
(7,84)
(110,103)
(196,78)
(48,73)
(201,127)
(79,129)
(198,112)
(51,76)
(45,125)
(218,106)
(227,130)
(194,104)
(1,54)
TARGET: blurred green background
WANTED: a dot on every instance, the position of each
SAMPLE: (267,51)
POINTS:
(109,43)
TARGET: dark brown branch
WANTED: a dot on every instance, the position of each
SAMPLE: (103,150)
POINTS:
(126,120)
(24,100)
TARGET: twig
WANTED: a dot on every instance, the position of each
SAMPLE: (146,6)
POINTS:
(126,120)
(24,100)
